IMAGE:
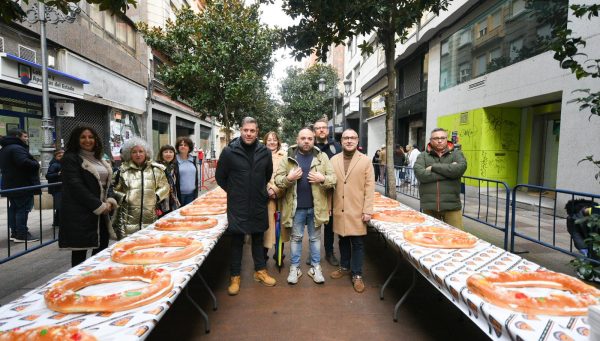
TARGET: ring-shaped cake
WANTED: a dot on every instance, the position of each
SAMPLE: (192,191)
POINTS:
(499,289)
(63,297)
(127,252)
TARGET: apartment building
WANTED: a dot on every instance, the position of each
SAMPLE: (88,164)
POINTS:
(481,71)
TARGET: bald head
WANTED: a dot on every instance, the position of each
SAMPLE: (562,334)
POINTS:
(305,140)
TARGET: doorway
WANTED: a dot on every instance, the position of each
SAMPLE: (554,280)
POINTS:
(544,149)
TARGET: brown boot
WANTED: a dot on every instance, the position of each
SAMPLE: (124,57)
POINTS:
(358,284)
(234,286)
(263,277)
(339,273)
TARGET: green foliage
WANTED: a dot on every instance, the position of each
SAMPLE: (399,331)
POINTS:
(11,10)
(584,267)
(303,103)
(219,59)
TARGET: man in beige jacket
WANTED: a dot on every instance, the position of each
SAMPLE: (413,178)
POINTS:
(352,206)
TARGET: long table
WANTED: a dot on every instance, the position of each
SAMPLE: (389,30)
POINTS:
(30,311)
(448,270)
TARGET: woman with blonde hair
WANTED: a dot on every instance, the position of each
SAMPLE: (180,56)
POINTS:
(140,184)
(273,143)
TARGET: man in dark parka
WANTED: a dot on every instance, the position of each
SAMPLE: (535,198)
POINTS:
(243,171)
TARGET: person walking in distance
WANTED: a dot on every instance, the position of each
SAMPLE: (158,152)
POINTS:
(307,176)
(330,148)
(439,169)
(19,169)
(245,167)
(352,207)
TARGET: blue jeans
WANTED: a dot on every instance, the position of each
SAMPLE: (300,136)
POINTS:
(18,212)
(187,198)
(305,216)
(352,253)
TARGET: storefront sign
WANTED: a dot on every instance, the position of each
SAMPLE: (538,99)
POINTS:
(354,104)
(16,70)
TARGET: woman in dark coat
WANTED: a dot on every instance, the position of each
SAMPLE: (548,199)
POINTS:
(376,160)
(85,206)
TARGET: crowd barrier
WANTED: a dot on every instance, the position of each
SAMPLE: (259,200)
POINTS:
(542,234)
(47,233)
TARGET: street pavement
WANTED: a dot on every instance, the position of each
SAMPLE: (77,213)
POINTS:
(331,311)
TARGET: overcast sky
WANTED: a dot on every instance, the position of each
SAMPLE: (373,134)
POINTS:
(273,15)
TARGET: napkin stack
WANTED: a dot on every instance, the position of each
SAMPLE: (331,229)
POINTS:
(594,321)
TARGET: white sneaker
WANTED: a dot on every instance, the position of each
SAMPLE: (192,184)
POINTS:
(295,273)
(316,274)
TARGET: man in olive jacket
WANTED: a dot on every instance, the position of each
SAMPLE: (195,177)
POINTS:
(307,175)
(439,169)
(244,169)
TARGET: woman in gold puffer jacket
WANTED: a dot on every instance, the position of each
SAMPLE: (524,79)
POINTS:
(140,184)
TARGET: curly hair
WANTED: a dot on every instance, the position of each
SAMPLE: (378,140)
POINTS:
(73,142)
(184,139)
(135,142)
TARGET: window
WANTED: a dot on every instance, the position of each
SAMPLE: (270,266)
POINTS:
(445,47)
(482,28)
(444,79)
(496,18)
(495,54)
(481,65)
(545,31)
(464,72)
(464,38)
(109,23)
(518,6)
(130,37)
(355,76)
(515,48)
(121,30)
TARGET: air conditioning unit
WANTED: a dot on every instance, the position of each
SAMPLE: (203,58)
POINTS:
(65,109)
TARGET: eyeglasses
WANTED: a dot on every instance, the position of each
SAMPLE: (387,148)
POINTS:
(439,138)
(350,138)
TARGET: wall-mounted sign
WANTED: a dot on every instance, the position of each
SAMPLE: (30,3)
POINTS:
(23,72)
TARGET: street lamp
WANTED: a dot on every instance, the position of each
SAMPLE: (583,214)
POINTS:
(347,85)
(43,14)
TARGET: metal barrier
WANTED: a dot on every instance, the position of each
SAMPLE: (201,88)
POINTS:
(539,238)
(44,231)
(495,215)
(209,167)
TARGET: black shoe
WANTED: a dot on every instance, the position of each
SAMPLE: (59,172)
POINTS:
(332,259)
(26,238)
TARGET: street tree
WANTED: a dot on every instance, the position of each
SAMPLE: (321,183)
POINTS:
(303,103)
(218,59)
(326,23)
(11,10)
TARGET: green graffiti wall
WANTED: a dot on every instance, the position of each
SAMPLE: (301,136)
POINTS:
(489,138)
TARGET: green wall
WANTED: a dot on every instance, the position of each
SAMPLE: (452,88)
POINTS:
(490,141)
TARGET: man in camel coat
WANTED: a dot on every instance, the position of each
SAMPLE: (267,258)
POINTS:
(352,207)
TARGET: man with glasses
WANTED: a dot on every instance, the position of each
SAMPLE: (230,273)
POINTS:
(330,148)
(352,207)
(439,169)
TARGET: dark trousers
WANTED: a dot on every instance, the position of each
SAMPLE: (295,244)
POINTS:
(18,213)
(187,198)
(78,256)
(57,198)
(352,253)
(328,236)
(237,248)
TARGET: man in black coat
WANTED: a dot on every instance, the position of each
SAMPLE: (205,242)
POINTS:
(243,171)
(19,169)
(331,148)
(53,176)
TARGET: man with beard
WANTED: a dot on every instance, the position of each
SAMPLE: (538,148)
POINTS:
(308,178)
(330,148)
(352,207)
